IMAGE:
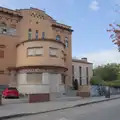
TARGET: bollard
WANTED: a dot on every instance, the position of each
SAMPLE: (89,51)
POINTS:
(107,92)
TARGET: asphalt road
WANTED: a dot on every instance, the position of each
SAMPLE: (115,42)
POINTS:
(100,111)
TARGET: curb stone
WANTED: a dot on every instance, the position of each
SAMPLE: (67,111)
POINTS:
(79,105)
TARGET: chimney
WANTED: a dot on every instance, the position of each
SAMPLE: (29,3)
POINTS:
(84,59)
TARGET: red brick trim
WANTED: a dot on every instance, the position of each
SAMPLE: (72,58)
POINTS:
(43,97)
(83,94)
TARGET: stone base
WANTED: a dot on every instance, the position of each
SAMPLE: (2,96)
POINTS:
(83,94)
(38,98)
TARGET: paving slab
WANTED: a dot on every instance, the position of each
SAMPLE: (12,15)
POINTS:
(24,109)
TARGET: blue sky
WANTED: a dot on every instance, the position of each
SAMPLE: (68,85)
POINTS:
(89,20)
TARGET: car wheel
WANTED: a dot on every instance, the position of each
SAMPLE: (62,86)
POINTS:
(17,97)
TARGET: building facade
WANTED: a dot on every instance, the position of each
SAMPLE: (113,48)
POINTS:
(82,72)
(35,52)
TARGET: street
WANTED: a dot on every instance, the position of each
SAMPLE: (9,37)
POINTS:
(100,111)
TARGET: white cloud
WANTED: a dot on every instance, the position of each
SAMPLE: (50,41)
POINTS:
(103,57)
(94,5)
(3,3)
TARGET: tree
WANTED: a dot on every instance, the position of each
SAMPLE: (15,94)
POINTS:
(115,34)
(96,80)
(109,72)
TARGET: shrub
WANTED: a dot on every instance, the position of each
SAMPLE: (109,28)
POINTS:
(96,80)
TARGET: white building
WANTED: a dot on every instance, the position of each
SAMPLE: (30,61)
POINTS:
(82,71)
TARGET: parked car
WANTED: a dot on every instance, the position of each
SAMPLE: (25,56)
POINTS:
(10,92)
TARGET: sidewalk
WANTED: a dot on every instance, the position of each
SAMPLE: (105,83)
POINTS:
(22,109)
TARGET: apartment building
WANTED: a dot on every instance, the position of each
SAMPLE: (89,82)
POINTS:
(35,52)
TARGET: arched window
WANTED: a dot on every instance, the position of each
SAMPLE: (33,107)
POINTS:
(3,28)
(29,34)
(66,42)
(58,37)
(37,35)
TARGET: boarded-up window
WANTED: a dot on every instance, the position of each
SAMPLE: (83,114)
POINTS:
(1,54)
(1,71)
(2,46)
(34,78)
(12,31)
(35,51)
(53,52)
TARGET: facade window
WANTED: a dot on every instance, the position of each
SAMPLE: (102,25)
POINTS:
(12,31)
(34,78)
(87,76)
(3,28)
(53,52)
(29,34)
(66,42)
(2,46)
(43,35)
(7,30)
(35,51)
(58,38)
(73,70)
(37,35)
(1,71)
(80,74)
(73,74)
(1,54)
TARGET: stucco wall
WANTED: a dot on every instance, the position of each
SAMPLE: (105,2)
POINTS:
(48,83)
(45,59)
(9,59)
(83,71)
(18,58)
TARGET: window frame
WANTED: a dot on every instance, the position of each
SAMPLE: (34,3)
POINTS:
(80,74)
(66,41)
(37,34)
(58,36)
(53,49)
(35,54)
(29,34)
(43,35)
(87,75)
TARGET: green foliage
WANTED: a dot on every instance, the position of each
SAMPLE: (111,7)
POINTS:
(96,80)
(115,83)
(109,72)
(108,75)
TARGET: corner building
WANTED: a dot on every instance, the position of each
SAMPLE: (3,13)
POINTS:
(35,52)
